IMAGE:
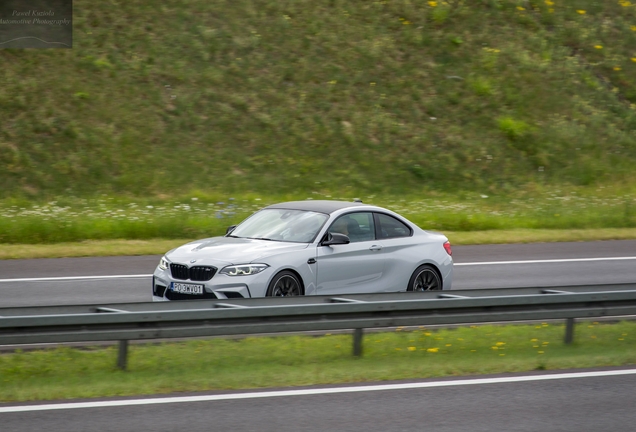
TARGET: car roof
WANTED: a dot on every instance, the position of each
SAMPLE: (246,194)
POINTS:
(320,206)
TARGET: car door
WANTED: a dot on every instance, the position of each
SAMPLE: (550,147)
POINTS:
(356,267)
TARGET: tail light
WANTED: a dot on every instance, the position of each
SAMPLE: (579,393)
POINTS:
(447,246)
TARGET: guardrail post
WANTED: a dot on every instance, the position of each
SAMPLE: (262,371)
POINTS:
(569,330)
(122,355)
(357,342)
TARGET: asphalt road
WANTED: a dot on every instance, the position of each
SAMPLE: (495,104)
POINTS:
(514,403)
(487,266)
(575,404)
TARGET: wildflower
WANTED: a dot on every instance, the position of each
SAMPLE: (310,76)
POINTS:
(521,8)
(432,4)
(500,343)
(406,22)
(551,10)
(534,340)
(625,3)
(549,3)
(371,84)
(634,59)
(617,68)
(494,347)
(540,352)
(427,334)
(412,348)
(598,46)
(432,350)
(581,12)
(633,28)
(332,82)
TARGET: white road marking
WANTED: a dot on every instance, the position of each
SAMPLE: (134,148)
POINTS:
(62,278)
(307,392)
(548,261)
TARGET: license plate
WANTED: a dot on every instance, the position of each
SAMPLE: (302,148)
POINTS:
(183,288)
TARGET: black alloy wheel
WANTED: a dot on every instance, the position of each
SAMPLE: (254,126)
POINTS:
(425,278)
(285,284)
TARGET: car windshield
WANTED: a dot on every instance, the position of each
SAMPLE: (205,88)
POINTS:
(281,225)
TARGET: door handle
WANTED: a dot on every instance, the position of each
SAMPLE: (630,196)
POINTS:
(375,248)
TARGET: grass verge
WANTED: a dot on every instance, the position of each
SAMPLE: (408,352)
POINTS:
(259,362)
(124,226)
(94,248)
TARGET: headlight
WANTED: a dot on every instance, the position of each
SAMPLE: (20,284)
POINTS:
(243,269)
(164,263)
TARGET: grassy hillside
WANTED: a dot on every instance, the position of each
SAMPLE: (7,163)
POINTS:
(290,96)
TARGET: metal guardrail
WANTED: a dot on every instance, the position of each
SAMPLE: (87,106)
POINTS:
(138,321)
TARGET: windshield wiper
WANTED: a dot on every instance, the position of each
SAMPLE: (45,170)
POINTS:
(262,238)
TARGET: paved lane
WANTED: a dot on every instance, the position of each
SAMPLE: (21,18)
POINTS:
(136,288)
(534,251)
(544,274)
(582,404)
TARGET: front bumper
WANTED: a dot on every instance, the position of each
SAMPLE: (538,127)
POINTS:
(219,287)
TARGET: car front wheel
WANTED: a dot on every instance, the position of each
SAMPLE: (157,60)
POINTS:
(425,278)
(284,284)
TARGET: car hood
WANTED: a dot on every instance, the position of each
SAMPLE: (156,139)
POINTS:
(230,250)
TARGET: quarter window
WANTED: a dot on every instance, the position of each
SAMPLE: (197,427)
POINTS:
(390,227)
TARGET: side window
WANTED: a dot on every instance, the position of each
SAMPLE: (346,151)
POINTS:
(357,226)
(390,227)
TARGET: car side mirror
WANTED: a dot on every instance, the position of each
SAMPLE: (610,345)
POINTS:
(230,229)
(335,239)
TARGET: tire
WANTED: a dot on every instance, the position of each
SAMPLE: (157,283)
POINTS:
(285,284)
(425,278)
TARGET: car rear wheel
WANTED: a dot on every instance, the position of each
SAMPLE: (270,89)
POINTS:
(425,278)
(285,284)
